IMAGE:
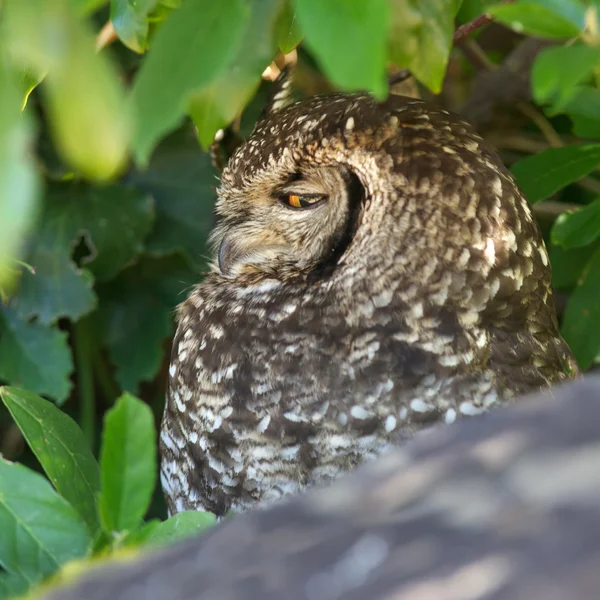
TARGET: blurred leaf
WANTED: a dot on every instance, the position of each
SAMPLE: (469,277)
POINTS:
(19,181)
(136,316)
(542,18)
(348,38)
(190,49)
(581,322)
(543,174)
(180,526)
(40,530)
(130,20)
(127,464)
(287,29)
(557,71)
(85,7)
(421,38)
(34,356)
(181,179)
(217,104)
(568,265)
(579,228)
(12,585)
(84,99)
(61,449)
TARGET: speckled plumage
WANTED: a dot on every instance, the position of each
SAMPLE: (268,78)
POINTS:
(419,291)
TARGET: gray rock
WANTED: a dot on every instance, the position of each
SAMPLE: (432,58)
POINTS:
(501,506)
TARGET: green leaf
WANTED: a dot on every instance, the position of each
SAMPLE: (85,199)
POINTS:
(40,530)
(130,20)
(127,464)
(421,38)
(543,174)
(190,49)
(581,322)
(542,18)
(112,220)
(216,105)
(66,289)
(287,29)
(85,7)
(585,105)
(181,179)
(27,80)
(136,316)
(12,585)
(578,228)
(557,71)
(34,356)
(19,181)
(84,99)
(348,38)
(61,449)
(568,265)
(180,526)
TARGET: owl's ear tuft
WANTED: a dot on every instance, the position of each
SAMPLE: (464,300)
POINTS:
(280,94)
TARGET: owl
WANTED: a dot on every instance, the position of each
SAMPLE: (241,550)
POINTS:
(377,270)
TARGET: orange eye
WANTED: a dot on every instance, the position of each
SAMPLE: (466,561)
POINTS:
(301,200)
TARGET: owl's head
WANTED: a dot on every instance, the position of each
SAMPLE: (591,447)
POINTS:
(400,188)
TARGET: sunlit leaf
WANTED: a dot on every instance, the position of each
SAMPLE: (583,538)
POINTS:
(130,20)
(348,38)
(421,38)
(287,29)
(84,98)
(216,105)
(189,50)
(60,447)
(542,18)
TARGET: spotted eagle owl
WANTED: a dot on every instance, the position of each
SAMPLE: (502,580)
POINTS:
(378,270)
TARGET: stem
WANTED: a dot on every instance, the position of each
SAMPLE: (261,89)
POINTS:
(110,389)
(477,23)
(85,379)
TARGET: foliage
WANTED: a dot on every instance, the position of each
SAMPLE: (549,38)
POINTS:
(107,193)
(94,509)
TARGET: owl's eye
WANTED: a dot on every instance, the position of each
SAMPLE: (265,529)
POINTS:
(302,200)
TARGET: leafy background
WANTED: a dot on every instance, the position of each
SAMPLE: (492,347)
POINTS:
(107,112)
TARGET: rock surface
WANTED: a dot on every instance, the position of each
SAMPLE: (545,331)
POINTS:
(501,506)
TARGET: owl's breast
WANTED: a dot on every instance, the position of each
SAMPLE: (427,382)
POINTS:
(270,399)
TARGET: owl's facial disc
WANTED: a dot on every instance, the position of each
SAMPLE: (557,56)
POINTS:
(290,227)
